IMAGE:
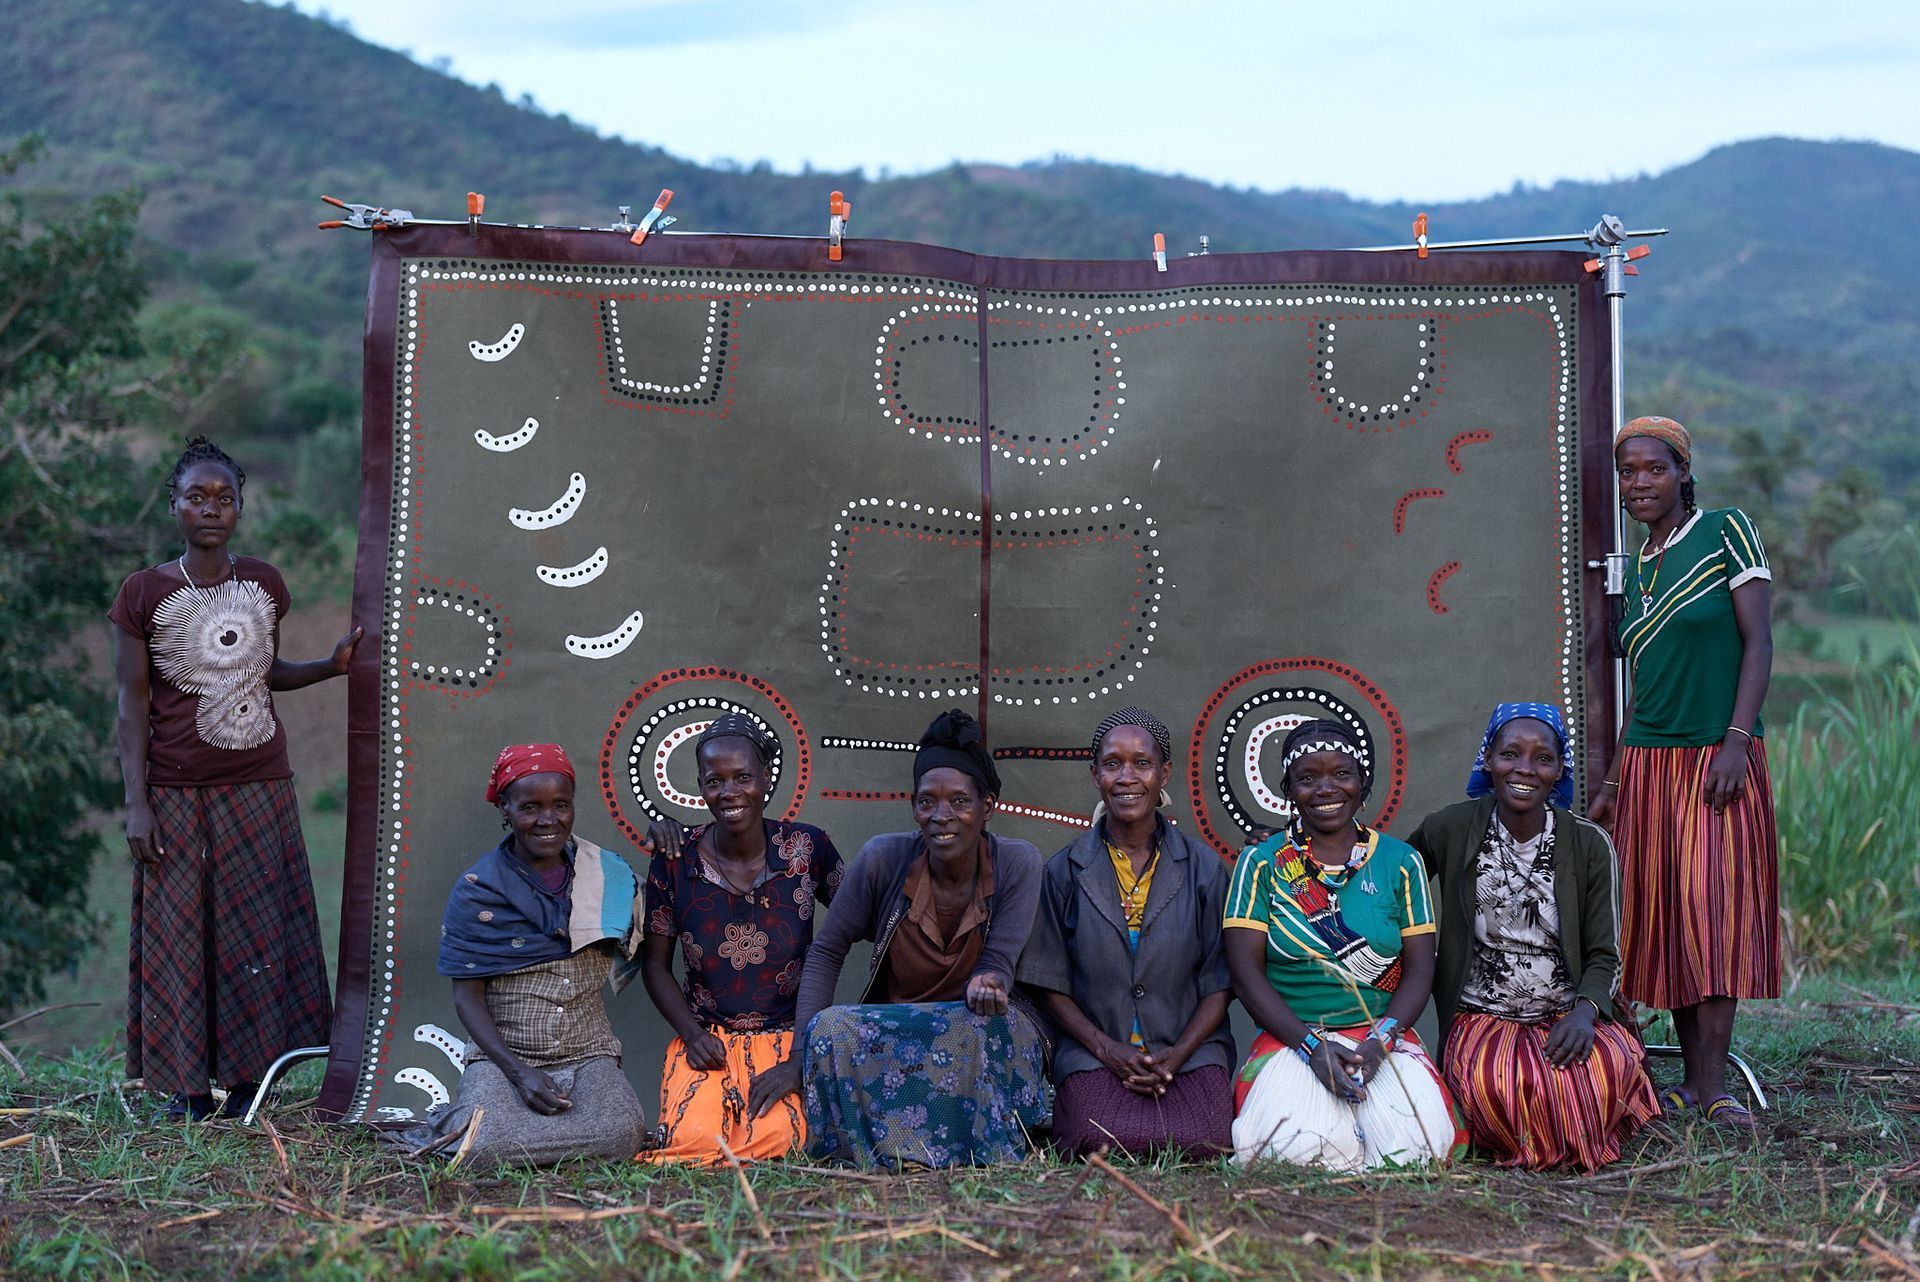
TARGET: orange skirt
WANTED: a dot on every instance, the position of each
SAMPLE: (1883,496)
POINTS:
(1522,1111)
(1700,891)
(699,1109)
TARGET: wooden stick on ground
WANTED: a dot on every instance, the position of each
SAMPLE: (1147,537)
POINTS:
(746,1187)
(466,1143)
(44,1010)
(279,1149)
(1172,1215)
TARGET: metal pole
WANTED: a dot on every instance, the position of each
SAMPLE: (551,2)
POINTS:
(1609,236)
(1577,238)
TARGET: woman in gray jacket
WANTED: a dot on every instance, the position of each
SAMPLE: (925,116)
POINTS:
(939,1064)
(1127,953)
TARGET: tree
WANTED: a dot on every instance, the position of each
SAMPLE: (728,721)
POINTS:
(70,291)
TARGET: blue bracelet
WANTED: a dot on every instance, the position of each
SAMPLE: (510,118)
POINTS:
(1306,1047)
(1386,1031)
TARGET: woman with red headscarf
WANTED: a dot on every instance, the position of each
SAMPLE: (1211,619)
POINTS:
(531,932)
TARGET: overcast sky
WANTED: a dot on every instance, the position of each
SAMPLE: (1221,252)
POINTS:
(1376,98)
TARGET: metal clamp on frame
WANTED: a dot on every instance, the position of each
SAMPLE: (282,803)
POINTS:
(366,217)
(839,214)
(652,217)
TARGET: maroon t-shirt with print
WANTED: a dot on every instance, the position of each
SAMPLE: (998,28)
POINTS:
(209,651)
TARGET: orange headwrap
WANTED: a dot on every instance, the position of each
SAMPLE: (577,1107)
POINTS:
(1664,430)
(517,761)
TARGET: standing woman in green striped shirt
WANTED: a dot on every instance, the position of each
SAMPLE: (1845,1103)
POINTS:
(1688,797)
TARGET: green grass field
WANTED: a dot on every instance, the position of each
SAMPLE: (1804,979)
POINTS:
(92,1189)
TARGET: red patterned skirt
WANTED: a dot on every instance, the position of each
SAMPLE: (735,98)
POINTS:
(1700,891)
(1522,1111)
(225,967)
(1093,1110)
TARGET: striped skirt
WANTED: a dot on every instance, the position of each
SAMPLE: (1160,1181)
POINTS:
(1094,1111)
(1700,891)
(1522,1111)
(225,967)
(699,1109)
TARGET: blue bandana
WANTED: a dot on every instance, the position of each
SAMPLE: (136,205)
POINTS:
(500,919)
(1479,783)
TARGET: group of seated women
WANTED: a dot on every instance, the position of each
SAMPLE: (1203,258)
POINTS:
(1008,994)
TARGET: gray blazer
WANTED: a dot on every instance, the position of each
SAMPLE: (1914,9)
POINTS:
(1079,947)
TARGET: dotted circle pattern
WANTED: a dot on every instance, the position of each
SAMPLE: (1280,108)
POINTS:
(1212,750)
(792,736)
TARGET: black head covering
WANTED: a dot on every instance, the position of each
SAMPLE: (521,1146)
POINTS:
(954,740)
(1132,716)
(736,725)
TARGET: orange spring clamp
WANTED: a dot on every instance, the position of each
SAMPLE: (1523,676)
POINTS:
(652,216)
(839,214)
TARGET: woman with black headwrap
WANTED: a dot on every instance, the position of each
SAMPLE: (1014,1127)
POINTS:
(736,897)
(1128,957)
(940,1064)
(1330,941)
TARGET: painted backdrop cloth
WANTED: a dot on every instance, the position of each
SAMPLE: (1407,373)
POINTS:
(225,967)
(928,1085)
(209,652)
(699,1108)
(1283,1114)
(613,492)
(1523,1111)
(1700,890)
(499,918)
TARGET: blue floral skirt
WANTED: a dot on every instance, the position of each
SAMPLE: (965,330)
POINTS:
(930,1085)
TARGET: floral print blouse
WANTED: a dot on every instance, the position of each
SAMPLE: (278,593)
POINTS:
(742,954)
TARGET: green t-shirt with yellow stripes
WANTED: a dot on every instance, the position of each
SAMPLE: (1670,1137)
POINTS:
(1382,901)
(1680,633)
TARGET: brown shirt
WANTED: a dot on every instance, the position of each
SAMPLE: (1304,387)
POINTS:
(933,953)
(209,653)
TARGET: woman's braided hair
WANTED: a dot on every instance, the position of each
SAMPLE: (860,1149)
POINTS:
(202,450)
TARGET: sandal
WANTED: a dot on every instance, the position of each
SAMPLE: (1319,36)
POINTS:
(1676,1100)
(240,1097)
(1730,1112)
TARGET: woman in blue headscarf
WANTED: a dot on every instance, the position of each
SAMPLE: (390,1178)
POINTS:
(1527,979)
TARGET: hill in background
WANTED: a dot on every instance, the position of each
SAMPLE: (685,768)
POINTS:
(1781,314)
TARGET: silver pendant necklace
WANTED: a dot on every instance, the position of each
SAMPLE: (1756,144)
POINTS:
(182,563)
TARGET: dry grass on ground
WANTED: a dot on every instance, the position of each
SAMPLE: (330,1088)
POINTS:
(1831,1188)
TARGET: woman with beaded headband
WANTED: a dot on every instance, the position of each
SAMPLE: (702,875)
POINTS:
(736,897)
(940,1063)
(225,967)
(1330,942)
(1688,796)
(1534,1044)
(533,931)
(1128,959)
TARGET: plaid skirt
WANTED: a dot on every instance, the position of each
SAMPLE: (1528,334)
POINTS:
(1094,1110)
(1700,891)
(225,970)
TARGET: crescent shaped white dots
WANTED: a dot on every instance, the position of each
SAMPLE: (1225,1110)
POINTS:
(573,576)
(607,644)
(558,512)
(446,1043)
(421,1079)
(501,350)
(511,441)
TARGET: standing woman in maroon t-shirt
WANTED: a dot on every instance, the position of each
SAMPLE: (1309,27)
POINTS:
(225,967)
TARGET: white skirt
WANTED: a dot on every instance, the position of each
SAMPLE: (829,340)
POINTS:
(1405,1119)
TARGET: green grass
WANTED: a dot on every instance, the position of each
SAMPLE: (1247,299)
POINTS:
(1833,1179)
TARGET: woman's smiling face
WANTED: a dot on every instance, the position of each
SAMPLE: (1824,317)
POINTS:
(1524,763)
(1325,788)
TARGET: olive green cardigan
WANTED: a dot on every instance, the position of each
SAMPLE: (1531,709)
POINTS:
(1586,887)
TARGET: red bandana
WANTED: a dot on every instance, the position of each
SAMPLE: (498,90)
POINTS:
(517,761)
